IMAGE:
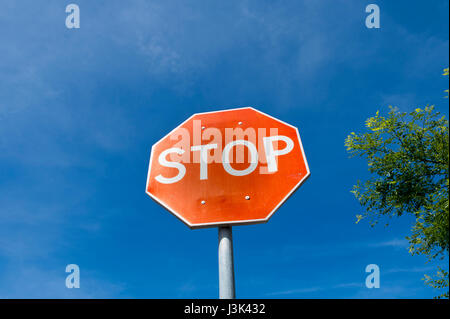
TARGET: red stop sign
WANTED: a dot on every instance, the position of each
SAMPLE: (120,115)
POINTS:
(227,167)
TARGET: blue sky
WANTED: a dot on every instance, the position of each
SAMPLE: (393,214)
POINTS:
(80,110)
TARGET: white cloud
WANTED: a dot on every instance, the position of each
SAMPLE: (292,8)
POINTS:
(29,281)
(410,270)
(294,291)
(395,243)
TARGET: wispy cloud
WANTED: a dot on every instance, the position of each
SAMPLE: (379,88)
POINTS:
(294,291)
(315,289)
(343,248)
(395,243)
(409,270)
(30,281)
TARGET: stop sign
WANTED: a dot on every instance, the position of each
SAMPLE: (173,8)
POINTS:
(228,167)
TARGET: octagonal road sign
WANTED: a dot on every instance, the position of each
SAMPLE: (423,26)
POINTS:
(230,167)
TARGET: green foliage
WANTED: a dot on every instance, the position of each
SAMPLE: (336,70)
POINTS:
(408,155)
(446,72)
(440,282)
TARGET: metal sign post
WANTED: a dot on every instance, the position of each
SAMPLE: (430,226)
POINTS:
(226,263)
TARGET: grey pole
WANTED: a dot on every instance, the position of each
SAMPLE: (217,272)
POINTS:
(226,264)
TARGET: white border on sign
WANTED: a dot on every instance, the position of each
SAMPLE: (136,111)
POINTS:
(240,222)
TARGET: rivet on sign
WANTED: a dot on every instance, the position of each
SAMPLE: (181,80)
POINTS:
(203,202)
(203,127)
(240,123)
(247,197)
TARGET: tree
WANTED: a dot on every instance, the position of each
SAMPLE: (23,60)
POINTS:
(408,157)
